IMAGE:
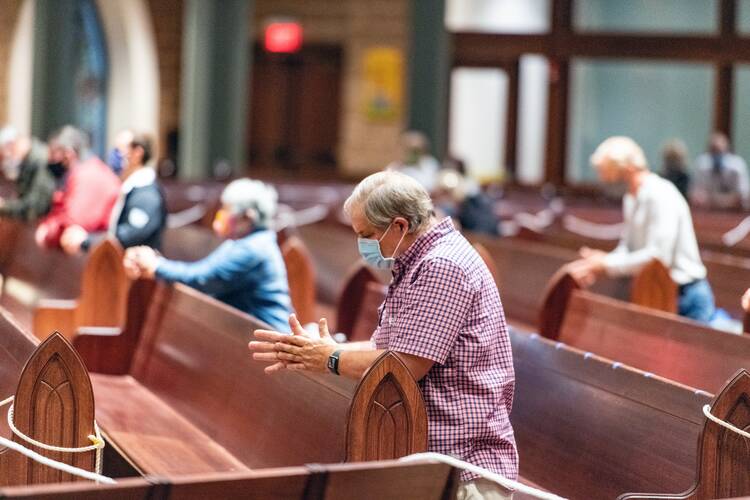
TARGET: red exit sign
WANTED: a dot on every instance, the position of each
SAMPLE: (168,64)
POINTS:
(283,37)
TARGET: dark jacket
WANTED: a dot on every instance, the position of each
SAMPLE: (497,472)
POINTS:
(139,216)
(34,186)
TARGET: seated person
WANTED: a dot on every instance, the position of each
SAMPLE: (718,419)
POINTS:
(658,225)
(675,165)
(24,161)
(442,314)
(721,178)
(416,160)
(88,188)
(140,215)
(246,271)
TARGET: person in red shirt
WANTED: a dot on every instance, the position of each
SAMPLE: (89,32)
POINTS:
(88,188)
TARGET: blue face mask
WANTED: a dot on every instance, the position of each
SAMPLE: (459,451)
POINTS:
(369,249)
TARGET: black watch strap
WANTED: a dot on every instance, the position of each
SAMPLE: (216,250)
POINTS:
(333,362)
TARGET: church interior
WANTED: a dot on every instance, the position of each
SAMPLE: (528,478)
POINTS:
(375,249)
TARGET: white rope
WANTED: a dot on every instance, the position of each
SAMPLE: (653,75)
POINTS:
(484,473)
(717,420)
(97,446)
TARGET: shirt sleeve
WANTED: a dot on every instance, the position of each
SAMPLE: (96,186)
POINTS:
(661,235)
(436,306)
(223,271)
(143,219)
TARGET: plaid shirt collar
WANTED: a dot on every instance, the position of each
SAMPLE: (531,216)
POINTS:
(421,246)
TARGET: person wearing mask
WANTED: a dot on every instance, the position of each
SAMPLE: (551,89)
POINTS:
(721,177)
(658,225)
(116,156)
(87,188)
(24,162)
(140,215)
(246,271)
(442,314)
(675,165)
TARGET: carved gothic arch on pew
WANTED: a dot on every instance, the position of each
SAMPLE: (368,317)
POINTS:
(387,417)
(54,403)
(133,83)
(723,456)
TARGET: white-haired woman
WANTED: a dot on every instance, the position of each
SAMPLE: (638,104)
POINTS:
(246,271)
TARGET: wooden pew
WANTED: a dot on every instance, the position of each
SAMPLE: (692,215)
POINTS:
(367,481)
(53,403)
(301,276)
(588,428)
(664,344)
(32,274)
(723,456)
(103,299)
(192,384)
(360,298)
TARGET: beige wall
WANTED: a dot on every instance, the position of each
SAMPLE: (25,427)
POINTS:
(357,25)
(8,15)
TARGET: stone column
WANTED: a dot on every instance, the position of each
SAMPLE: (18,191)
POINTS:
(216,62)
(428,72)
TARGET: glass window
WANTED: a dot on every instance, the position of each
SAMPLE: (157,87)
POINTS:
(647,16)
(90,75)
(478,108)
(743,17)
(532,118)
(651,102)
(498,16)
(741,112)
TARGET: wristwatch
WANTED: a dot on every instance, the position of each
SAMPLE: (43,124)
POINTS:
(333,362)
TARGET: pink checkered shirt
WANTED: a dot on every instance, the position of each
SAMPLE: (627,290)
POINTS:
(443,305)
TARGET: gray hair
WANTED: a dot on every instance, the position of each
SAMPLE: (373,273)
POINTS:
(386,195)
(621,151)
(247,195)
(69,137)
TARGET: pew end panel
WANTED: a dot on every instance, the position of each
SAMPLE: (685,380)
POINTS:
(111,350)
(723,455)
(54,403)
(55,315)
(653,287)
(555,303)
(9,230)
(486,256)
(104,288)
(300,271)
(387,417)
(350,303)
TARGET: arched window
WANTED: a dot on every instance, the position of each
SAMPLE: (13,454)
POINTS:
(91,71)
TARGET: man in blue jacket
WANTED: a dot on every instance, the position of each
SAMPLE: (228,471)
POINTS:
(246,271)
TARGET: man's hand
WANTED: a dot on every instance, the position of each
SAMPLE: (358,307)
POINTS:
(746,301)
(141,262)
(72,239)
(589,268)
(298,351)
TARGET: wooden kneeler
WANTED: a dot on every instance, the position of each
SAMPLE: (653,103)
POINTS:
(723,455)
(53,404)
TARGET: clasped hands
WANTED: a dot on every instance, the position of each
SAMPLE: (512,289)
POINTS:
(140,262)
(299,351)
(589,267)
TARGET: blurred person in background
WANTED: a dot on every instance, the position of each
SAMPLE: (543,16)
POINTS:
(140,215)
(416,160)
(87,188)
(116,156)
(675,165)
(720,179)
(24,162)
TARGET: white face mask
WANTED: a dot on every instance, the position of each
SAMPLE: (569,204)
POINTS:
(11,168)
(370,251)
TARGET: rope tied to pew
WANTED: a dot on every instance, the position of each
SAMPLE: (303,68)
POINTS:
(97,446)
(484,473)
(727,425)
